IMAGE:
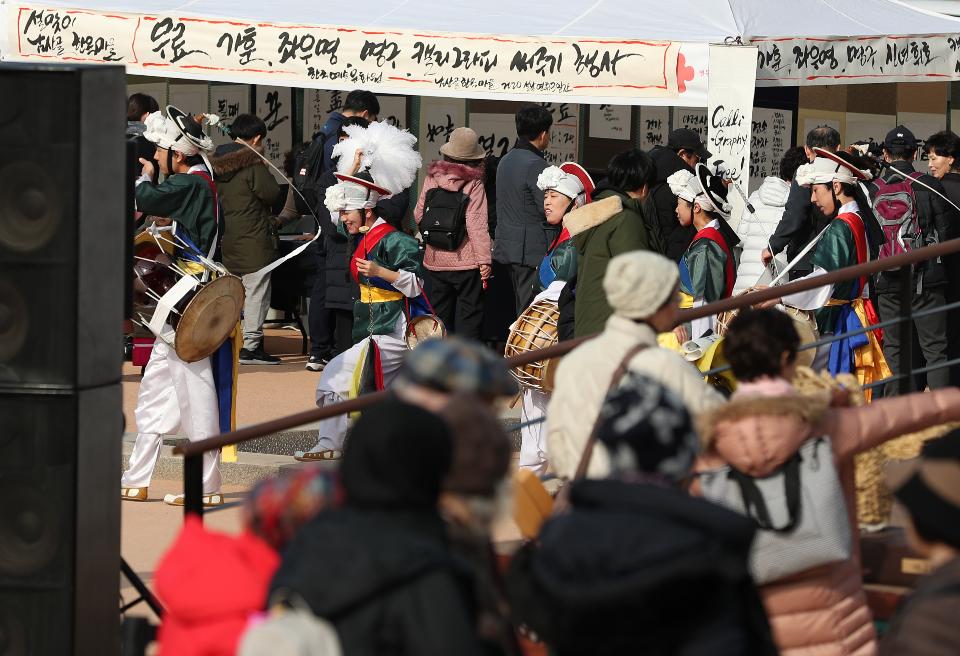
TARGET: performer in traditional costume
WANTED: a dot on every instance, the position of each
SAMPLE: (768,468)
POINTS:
(708,268)
(566,187)
(386,265)
(852,237)
(196,398)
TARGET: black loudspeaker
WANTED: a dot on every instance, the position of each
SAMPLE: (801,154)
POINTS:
(62,274)
(62,232)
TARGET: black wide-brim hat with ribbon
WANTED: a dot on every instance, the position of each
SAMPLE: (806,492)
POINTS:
(713,188)
(189,127)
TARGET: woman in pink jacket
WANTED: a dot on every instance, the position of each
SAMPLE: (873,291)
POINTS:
(457,264)
(821,611)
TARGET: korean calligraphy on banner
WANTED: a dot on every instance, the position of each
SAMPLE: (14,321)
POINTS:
(317,106)
(791,62)
(564,135)
(228,101)
(769,141)
(274,107)
(610,122)
(497,132)
(444,64)
(694,118)
(439,117)
(654,127)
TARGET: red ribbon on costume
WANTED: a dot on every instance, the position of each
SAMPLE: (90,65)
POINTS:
(564,236)
(729,272)
(859,232)
(367,243)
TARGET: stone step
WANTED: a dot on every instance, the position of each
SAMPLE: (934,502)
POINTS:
(249,469)
(285,443)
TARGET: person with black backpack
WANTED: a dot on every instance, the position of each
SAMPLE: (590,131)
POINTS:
(452,215)
(684,150)
(913,213)
(315,160)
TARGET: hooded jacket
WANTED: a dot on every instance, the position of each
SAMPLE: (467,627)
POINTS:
(583,379)
(385,579)
(676,238)
(822,610)
(247,192)
(755,229)
(210,584)
(937,220)
(596,246)
(641,569)
(475,249)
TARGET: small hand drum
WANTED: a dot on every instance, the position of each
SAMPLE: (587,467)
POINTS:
(535,329)
(422,328)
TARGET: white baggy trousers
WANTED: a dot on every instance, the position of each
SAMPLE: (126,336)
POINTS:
(174,396)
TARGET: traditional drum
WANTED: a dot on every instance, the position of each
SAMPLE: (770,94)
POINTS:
(193,316)
(422,328)
(535,329)
(803,320)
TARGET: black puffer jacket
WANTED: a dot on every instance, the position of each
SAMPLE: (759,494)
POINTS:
(386,580)
(676,238)
(640,569)
(937,220)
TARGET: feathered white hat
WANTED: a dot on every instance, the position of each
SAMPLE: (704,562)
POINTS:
(389,154)
(179,131)
(828,167)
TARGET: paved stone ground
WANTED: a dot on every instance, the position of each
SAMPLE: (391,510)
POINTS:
(265,392)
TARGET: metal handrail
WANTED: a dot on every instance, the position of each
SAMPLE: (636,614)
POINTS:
(735,302)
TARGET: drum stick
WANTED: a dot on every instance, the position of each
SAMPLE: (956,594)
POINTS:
(796,260)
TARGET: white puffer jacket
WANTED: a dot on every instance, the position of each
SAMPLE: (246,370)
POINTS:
(755,229)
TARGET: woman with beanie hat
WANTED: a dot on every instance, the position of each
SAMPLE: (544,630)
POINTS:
(641,287)
(926,624)
(379,568)
(637,565)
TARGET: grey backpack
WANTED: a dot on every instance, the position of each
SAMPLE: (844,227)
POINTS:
(799,510)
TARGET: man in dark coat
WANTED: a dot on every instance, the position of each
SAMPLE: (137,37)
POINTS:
(801,220)
(928,284)
(638,566)
(684,150)
(380,568)
(522,234)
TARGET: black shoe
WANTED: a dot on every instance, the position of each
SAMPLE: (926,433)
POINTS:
(317,362)
(258,356)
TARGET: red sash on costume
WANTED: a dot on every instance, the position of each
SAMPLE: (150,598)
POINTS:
(859,240)
(562,237)
(729,273)
(859,232)
(213,190)
(369,241)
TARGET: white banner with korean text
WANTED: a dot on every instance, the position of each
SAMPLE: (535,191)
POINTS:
(337,57)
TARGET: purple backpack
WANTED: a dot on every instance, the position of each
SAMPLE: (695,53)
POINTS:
(895,206)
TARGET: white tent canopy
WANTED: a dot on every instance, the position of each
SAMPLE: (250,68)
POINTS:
(701,21)
(615,51)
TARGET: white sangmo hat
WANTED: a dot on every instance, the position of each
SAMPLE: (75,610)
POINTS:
(828,167)
(179,131)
